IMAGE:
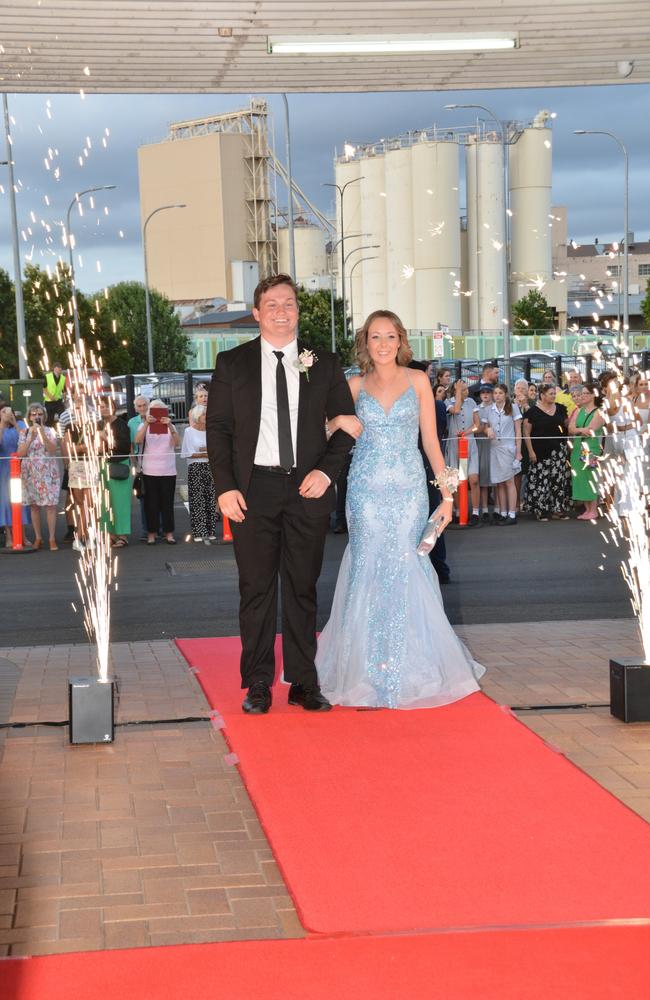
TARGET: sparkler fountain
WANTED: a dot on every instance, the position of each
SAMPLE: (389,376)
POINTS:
(91,698)
(624,478)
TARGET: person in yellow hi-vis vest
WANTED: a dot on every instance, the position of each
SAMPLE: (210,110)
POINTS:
(54,386)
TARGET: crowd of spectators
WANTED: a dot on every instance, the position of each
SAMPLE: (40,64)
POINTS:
(538,449)
(56,461)
(542,449)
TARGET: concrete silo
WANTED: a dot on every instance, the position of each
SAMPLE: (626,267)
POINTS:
(486,242)
(436,233)
(311,258)
(530,165)
(373,224)
(400,269)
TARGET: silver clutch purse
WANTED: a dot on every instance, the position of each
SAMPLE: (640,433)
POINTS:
(430,534)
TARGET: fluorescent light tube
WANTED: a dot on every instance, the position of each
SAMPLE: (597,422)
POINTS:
(333,45)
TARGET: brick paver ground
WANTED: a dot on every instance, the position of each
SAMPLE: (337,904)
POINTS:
(153,839)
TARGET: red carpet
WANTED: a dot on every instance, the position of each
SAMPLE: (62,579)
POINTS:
(576,964)
(447,818)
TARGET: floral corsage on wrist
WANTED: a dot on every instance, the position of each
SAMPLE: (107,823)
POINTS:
(447,479)
(305,361)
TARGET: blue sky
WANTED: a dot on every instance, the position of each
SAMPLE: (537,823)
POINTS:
(587,171)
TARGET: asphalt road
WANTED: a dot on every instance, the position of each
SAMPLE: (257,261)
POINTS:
(531,572)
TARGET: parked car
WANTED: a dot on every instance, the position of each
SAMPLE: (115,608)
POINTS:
(540,361)
(170,387)
(143,384)
(470,368)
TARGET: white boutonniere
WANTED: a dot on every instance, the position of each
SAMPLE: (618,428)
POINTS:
(306,359)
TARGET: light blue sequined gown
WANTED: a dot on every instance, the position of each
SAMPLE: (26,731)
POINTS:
(388,641)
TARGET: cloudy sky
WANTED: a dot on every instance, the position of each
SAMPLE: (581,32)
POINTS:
(50,133)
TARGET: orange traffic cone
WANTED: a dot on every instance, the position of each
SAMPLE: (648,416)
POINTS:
(16,501)
(463,499)
(227,533)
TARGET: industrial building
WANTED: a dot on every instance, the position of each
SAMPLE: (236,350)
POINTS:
(448,227)
(219,169)
(594,276)
(452,237)
(231,231)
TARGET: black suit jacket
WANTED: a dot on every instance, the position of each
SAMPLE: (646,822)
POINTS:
(234,412)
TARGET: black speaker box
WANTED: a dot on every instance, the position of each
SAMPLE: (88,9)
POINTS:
(629,690)
(91,710)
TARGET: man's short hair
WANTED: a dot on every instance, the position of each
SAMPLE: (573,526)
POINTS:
(271,282)
(57,364)
(488,367)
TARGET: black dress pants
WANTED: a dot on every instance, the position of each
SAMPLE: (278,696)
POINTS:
(279,538)
(159,503)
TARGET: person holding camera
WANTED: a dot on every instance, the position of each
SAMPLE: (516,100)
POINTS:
(157,439)
(40,473)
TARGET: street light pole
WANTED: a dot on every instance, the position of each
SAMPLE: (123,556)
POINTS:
(332,314)
(506,304)
(330,250)
(77,200)
(292,245)
(341,190)
(18,277)
(356,264)
(147,303)
(626,229)
(373,246)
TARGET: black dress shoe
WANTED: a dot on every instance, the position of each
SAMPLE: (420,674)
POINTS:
(340,529)
(311,699)
(258,700)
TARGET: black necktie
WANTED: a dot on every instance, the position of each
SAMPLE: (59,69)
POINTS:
(284,420)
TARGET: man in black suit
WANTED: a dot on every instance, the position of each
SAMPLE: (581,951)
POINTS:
(274,472)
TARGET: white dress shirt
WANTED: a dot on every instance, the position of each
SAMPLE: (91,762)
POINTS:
(268,448)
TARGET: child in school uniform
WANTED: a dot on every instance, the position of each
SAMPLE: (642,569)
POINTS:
(502,421)
(483,445)
(462,418)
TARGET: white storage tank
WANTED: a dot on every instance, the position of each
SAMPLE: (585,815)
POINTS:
(530,164)
(373,224)
(400,268)
(311,258)
(436,234)
(486,241)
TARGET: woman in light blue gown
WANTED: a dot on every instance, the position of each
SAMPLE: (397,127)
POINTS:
(388,641)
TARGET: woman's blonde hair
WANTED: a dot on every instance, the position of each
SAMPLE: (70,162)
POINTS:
(404,352)
(197,411)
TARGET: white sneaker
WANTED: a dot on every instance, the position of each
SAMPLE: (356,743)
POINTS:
(78,545)
(198,538)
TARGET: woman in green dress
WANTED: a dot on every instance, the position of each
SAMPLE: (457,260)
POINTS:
(586,432)
(116,473)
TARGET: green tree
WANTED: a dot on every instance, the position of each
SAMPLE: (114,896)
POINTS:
(316,323)
(49,327)
(122,330)
(8,334)
(645,307)
(532,312)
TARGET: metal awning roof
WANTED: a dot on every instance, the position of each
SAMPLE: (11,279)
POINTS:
(201,46)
